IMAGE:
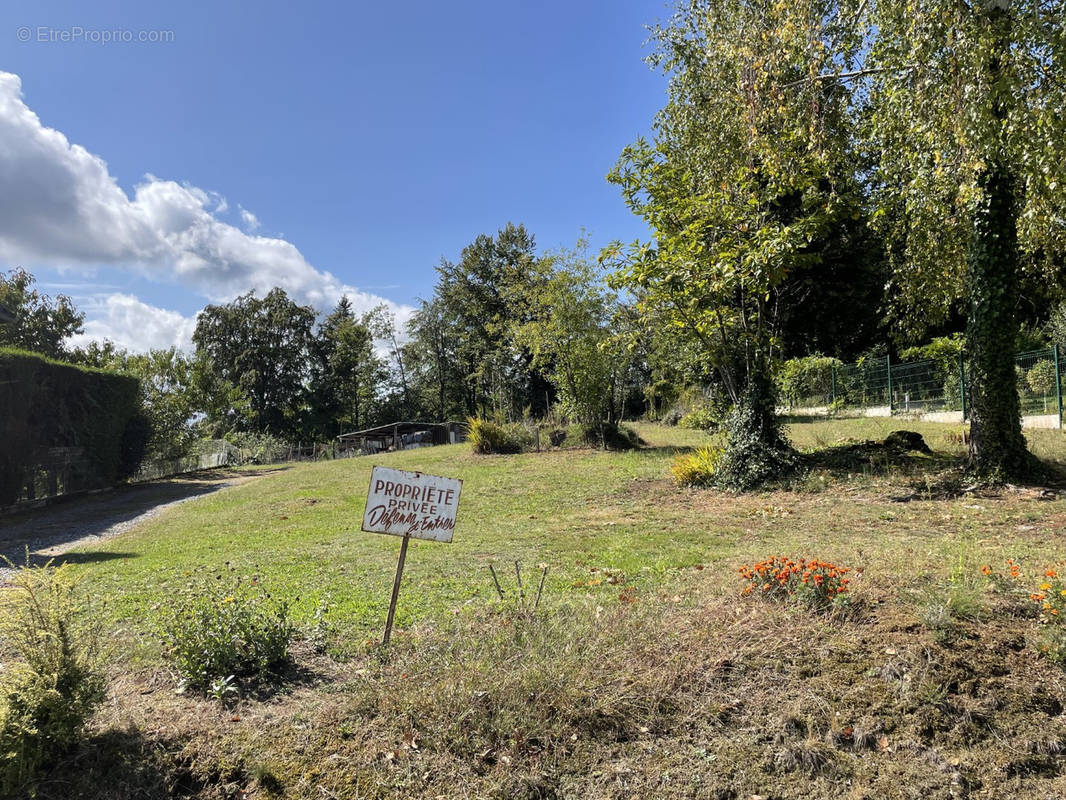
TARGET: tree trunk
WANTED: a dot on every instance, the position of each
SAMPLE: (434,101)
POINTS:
(997,447)
(355,408)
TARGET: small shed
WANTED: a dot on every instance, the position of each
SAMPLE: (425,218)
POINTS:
(401,436)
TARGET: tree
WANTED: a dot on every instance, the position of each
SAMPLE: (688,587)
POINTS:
(99,354)
(750,172)
(382,324)
(348,371)
(571,339)
(256,355)
(968,118)
(482,297)
(41,323)
(170,400)
(169,396)
(432,355)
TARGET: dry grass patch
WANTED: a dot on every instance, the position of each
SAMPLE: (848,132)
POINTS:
(653,697)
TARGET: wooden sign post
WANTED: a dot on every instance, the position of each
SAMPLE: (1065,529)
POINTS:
(412,505)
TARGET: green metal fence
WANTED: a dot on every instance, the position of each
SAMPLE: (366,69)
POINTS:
(1040,383)
(932,387)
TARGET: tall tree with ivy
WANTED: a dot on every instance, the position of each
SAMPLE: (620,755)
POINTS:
(749,171)
(967,117)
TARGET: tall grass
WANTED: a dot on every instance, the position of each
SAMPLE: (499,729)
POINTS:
(488,437)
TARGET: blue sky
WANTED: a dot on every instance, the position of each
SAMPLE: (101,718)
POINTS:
(372,139)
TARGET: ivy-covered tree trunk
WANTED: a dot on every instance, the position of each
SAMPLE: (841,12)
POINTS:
(757,451)
(997,447)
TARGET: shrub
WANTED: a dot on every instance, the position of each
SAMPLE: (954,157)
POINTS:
(54,685)
(808,380)
(258,448)
(672,417)
(229,629)
(697,468)
(1041,378)
(699,408)
(622,437)
(489,437)
(819,584)
(610,437)
(701,418)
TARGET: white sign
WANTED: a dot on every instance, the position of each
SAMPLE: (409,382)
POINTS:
(403,503)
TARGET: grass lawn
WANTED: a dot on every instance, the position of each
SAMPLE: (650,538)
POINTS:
(646,672)
(297,527)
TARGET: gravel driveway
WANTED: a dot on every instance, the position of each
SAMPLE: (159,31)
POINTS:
(51,531)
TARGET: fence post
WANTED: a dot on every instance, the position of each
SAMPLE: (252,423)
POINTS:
(1058,382)
(888,368)
(962,384)
(832,384)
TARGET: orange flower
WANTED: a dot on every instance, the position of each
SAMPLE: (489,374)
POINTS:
(1051,574)
(987,570)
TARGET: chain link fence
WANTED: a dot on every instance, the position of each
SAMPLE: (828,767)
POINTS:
(66,470)
(933,389)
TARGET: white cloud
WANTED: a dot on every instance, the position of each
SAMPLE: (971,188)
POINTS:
(60,207)
(250,220)
(135,325)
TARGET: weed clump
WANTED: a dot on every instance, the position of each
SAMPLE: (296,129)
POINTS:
(1051,597)
(221,633)
(54,684)
(943,606)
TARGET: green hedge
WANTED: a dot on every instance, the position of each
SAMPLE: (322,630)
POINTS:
(46,404)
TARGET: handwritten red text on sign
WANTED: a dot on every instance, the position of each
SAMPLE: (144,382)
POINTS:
(412,503)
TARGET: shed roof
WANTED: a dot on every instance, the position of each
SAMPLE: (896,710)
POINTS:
(395,428)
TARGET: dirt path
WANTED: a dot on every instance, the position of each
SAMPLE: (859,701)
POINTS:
(49,532)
